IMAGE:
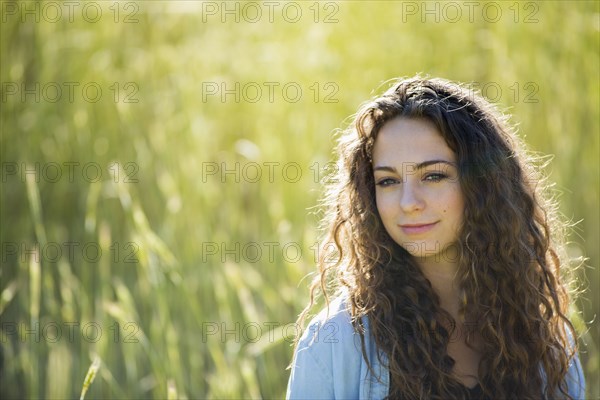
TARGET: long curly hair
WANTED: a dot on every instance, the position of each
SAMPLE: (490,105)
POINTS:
(510,252)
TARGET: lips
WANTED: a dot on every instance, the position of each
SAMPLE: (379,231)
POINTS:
(415,229)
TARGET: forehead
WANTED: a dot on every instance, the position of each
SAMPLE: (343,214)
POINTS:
(409,140)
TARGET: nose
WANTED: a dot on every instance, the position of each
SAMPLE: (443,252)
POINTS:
(411,199)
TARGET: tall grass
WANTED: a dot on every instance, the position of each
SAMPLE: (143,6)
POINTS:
(173,308)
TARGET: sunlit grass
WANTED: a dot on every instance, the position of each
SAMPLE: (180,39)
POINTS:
(166,304)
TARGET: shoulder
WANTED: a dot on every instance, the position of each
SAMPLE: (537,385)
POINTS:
(575,379)
(331,337)
(332,326)
(328,359)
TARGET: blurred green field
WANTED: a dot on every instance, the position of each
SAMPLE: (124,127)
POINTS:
(188,148)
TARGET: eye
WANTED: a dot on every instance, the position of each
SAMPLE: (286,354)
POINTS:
(386,182)
(434,177)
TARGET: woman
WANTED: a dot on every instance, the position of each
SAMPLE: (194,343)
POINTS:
(447,261)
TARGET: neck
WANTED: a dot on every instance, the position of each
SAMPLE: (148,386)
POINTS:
(442,275)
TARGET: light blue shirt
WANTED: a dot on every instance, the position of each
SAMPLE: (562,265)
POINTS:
(328,362)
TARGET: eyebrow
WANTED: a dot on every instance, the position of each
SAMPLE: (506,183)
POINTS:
(417,167)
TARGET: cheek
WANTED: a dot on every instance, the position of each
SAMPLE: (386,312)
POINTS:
(385,206)
(453,206)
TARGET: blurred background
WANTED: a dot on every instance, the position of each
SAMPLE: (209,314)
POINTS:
(161,162)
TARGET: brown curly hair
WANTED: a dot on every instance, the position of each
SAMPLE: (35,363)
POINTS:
(510,255)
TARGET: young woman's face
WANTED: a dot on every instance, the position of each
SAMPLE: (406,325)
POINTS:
(417,189)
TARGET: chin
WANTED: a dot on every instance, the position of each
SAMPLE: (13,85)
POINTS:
(422,249)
